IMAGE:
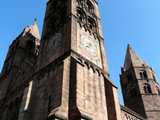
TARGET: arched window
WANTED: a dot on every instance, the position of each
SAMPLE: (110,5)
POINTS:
(147,88)
(143,75)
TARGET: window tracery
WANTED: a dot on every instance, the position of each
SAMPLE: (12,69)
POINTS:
(81,16)
(90,7)
(86,16)
(91,24)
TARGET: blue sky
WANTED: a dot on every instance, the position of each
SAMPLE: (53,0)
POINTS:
(124,21)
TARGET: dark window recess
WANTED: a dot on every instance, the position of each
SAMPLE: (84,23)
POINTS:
(91,24)
(143,75)
(90,7)
(147,88)
(81,16)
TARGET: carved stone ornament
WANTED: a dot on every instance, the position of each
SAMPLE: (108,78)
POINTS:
(86,16)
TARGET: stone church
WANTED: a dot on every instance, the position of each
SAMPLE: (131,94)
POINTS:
(63,75)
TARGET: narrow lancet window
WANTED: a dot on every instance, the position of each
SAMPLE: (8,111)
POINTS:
(147,88)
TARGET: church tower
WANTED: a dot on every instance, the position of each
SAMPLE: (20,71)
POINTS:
(72,80)
(19,65)
(140,89)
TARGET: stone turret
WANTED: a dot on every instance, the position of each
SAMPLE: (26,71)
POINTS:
(140,89)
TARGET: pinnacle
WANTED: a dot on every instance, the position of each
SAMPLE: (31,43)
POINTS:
(132,59)
(33,29)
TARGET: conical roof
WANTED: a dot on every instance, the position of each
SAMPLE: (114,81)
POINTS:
(132,58)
